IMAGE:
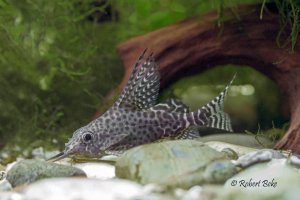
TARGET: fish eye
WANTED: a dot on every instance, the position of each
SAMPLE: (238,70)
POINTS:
(87,137)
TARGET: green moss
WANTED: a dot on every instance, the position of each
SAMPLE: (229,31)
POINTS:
(55,68)
(273,134)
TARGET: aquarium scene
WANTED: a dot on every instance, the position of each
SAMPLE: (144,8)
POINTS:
(149,100)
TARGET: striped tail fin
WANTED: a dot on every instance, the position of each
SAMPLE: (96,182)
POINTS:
(212,114)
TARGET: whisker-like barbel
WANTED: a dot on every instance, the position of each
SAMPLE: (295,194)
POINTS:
(57,157)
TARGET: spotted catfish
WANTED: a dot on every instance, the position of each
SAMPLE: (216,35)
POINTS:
(136,119)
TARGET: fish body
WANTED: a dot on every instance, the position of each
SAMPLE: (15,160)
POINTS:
(137,119)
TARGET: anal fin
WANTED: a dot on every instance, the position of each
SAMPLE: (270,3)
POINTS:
(191,132)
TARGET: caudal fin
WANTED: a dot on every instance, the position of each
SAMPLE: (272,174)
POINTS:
(212,114)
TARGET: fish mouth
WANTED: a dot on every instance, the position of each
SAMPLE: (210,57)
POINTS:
(58,156)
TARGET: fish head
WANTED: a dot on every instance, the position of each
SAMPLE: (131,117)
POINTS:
(88,142)
(84,142)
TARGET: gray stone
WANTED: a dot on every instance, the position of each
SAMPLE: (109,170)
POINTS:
(101,171)
(263,155)
(167,162)
(11,196)
(156,196)
(206,192)
(216,172)
(239,139)
(220,146)
(5,185)
(230,153)
(28,171)
(83,189)
(294,159)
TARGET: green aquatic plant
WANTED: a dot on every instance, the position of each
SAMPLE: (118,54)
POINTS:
(273,134)
(289,12)
(55,67)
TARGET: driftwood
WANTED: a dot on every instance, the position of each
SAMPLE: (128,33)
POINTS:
(198,44)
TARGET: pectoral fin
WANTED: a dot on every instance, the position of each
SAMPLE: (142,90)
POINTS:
(112,140)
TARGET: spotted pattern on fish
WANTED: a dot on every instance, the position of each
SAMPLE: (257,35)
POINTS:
(136,118)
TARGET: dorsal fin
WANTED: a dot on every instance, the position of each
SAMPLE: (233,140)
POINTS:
(141,90)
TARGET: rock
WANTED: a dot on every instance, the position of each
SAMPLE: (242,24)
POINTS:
(258,156)
(166,161)
(156,196)
(240,139)
(111,158)
(272,180)
(5,185)
(220,146)
(28,171)
(38,152)
(155,192)
(10,196)
(216,172)
(207,192)
(294,159)
(41,153)
(230,153)
(192,194)
(83,189)
(101,171)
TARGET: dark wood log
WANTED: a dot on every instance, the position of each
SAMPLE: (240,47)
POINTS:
(197,44)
